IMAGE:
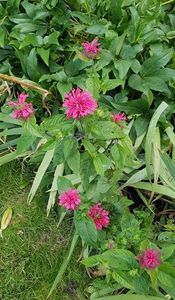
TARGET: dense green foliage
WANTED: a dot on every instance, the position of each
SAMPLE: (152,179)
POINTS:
(128,167)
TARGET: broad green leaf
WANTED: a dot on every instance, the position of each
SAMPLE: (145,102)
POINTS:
(63,183)
(98,166)
(63,88)
(6,218)
(120,41)
(106,130)
(166,275)
(2,37)
(40,174)
(32,65)
(96,29)
(86,229)
(123,67)
(120,259)
(89,147)
(44,54)
(25,142)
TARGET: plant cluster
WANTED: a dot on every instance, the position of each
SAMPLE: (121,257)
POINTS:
(99,130)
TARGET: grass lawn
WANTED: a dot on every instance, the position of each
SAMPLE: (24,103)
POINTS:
(32,247)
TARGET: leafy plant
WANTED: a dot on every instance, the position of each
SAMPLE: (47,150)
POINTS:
(123,163)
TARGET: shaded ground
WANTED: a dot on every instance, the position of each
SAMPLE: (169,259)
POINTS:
(32,247)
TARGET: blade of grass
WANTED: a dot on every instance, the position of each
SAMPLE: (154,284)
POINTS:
(58,172)
(40,173)
(64,264)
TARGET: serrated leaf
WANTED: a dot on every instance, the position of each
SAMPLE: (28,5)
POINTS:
(86,229)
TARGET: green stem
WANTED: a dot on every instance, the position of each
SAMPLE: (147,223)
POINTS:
(64,264)
(168,2)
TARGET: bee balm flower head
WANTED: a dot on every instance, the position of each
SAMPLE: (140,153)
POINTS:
(149,259)
(92,49)
(119,117)
(22,109)
(99,216)
(70,199)
(79,103)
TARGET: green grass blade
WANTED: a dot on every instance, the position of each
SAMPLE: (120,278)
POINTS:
(8,119)
(64,264)
(40,173)
(150,136)
(58,172)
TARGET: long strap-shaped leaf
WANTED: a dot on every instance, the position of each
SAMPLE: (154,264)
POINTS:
(64,264)
(58,172)
(11,156)
(130,297)
(40,173)
(156,188)
(150,136)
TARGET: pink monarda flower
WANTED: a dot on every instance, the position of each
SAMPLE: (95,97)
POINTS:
(23,110)
(99,216)
(149,259)
(70,199)
(92,49)
(119,117)
(79,104)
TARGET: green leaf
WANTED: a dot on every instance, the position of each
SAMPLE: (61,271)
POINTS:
(156,188)
(120,259)
(98,166)
(110,84)
(96,29)
(2,37)
(166,275)
(44,54)
(106,130)
(64,88)
(40,173)
(120,41)
(32,65)
(63,183)
(25,141)
(72,155)
(150,135)
(52,196)
(86,229)
(169,163)
(123,67)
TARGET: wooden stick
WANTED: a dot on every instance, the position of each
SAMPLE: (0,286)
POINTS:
(26,84)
